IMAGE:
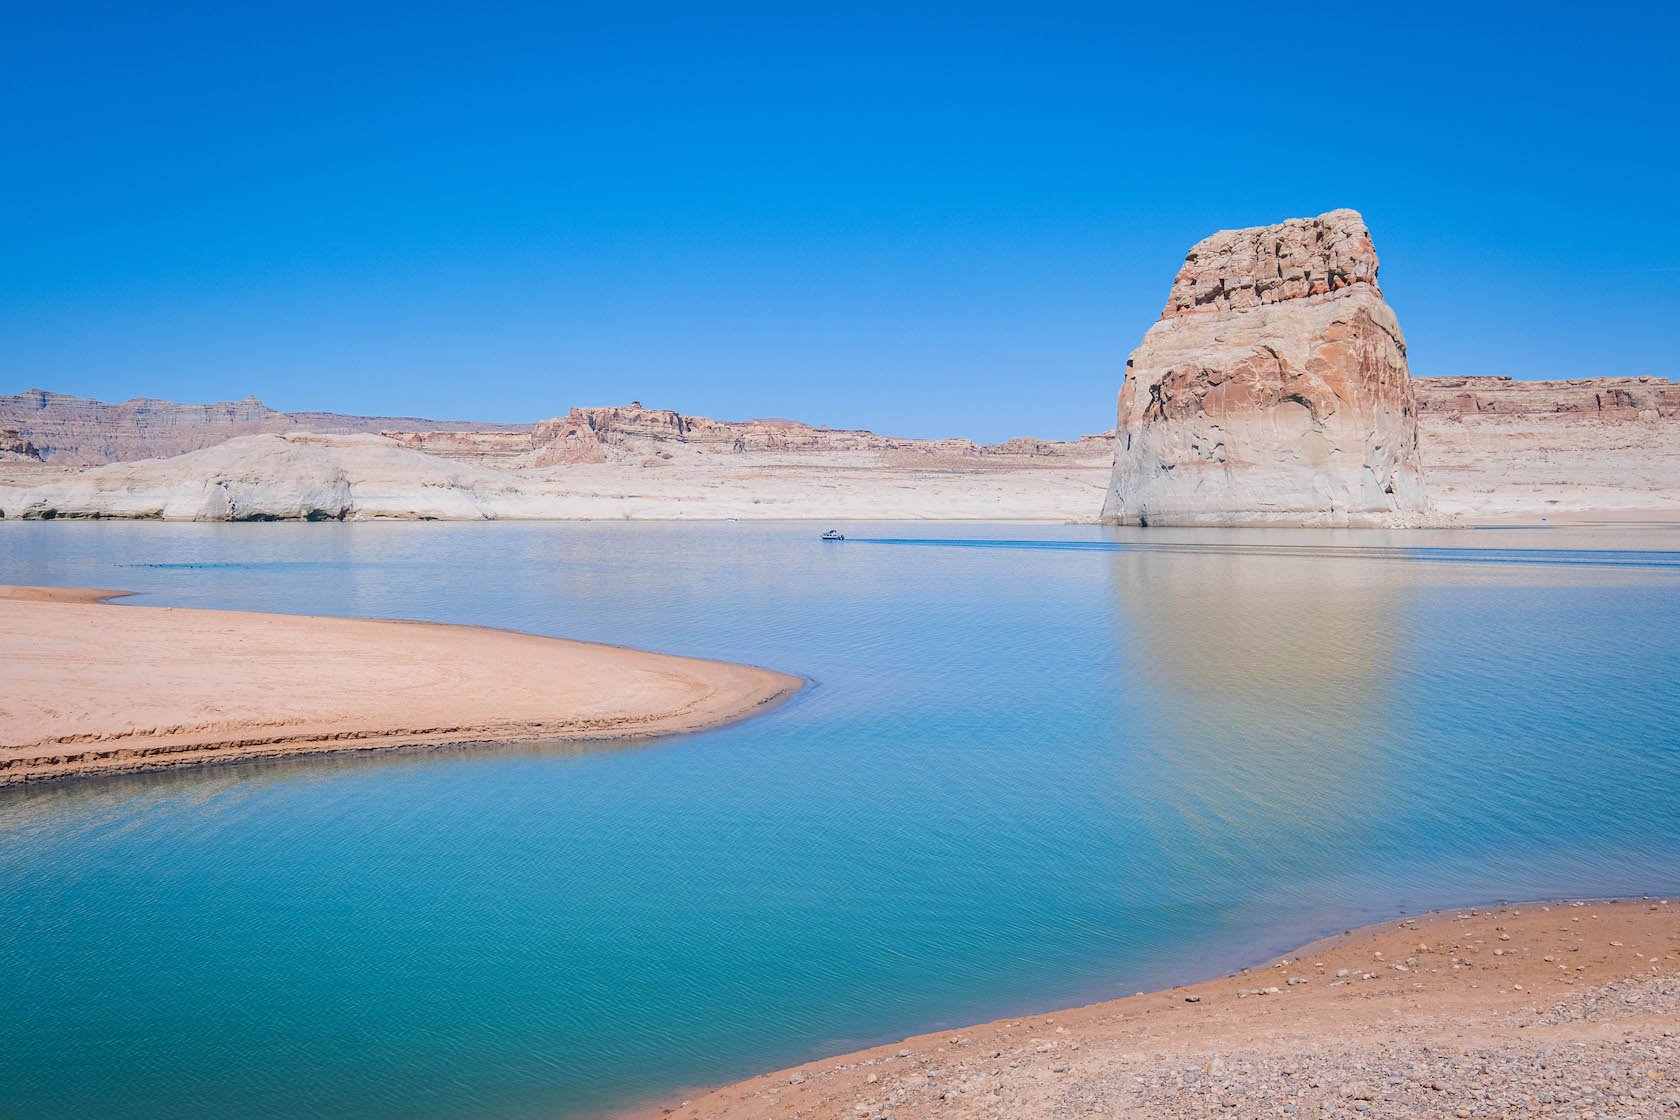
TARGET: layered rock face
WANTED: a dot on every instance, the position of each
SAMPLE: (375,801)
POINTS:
(295,477)
(491,449)
(1497,446)
(357,477)
(79,432)
(590,435)
(1588,398)
(1273,389)
(14,446)
(601,435)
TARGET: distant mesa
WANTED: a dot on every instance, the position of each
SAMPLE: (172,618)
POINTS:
(1273,389)
(634,434)
(1618,399)
(70,431)
(74,431)
(598,435)
(618,462)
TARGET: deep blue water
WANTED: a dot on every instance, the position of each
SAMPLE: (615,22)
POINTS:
(1035,766)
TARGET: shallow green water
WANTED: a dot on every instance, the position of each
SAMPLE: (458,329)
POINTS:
(1035,766)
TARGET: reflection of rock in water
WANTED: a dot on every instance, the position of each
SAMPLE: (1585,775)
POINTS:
(1262,689)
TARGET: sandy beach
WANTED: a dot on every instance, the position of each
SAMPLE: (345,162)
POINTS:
(89,687)
(1562,1009)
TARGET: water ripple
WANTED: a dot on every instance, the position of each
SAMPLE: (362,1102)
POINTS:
(1031,772)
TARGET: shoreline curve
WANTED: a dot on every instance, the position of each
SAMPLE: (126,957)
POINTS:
(1467,1012)
(90,689)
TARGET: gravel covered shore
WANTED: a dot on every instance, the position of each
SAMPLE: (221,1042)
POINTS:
(1562,1009)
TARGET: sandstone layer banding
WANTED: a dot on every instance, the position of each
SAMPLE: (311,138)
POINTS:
(92,688)
(1273,390)
(1495,448)
(494,476)
(80,432)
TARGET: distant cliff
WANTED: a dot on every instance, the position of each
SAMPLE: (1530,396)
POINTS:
(631,433)
(14,445)
(68,431)
(1588,398)
(1494,447)
(311,477)
(79,432)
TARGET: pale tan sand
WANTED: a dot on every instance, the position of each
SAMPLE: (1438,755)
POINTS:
(13,592)
(1562,1009)
(86,687)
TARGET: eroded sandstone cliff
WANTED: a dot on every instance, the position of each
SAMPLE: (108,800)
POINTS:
(1496,449)
(14,445)
(1586,398)
(271,477)
(1273,389)
(80,432)
(1607,445)
(633,434)
(358,477)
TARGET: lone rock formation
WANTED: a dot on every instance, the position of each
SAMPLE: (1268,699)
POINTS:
(1273,389)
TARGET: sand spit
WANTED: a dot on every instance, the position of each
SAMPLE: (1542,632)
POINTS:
(90,688)
(11,592)
(1562,1009)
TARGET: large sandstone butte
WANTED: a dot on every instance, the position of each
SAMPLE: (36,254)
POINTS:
(1273,389)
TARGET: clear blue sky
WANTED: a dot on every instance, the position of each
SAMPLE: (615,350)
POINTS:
(925,220)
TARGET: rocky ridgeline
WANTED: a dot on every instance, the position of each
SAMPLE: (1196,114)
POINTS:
(1273,389)
(594,435)
(492,449)
(78,432)
(67,431)
(599,462)
(631,433)
(1591,398)
(1494,446)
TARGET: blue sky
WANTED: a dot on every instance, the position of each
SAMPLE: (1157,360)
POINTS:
(926,220)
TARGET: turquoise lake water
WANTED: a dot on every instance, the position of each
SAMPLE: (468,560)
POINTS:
(1035,766)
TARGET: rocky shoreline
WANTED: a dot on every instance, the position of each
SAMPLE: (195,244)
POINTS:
(1565,1009)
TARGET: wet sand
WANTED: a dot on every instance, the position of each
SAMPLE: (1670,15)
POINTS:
(1560,1009)
(87,687)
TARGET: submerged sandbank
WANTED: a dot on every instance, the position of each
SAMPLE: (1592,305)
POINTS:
(92,688)
(1566,1009)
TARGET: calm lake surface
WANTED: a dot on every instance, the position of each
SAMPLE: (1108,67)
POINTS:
(1037,765)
